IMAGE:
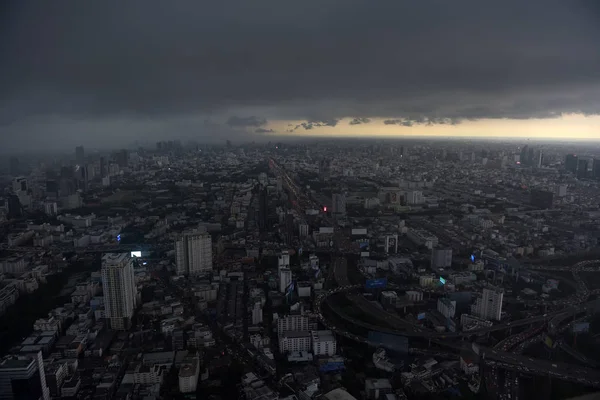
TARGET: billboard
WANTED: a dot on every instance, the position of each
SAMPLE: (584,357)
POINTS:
(379,283)
(442,281)
(363,245)
(359,231)
(136,254)
(581,327)
(549,342)
(391,342)
(421,316)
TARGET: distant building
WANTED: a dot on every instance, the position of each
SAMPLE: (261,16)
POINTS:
(338,204)
(571,163)
(441,258)
(582,169)
(118,285)
(446,307)
(193,252)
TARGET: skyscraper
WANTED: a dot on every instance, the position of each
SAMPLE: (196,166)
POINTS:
(582,169)
(571,163)
(338,204)
(79,155)
(193,251)
(118,285)
(23,377)
(489,305)
(596,168)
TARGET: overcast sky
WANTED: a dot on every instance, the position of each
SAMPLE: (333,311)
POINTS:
(109,72)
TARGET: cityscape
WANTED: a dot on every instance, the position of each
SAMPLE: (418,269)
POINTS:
(335,269)
(314,200)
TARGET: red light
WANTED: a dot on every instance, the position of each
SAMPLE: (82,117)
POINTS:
(325,209)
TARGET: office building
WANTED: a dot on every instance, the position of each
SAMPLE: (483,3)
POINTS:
(489,305)
(294,341)
(193,252)
(571,163)
(582,169)
(338,204)
(118,285)
(79,155)
(296,322)
(596,168)
(285,279)
(446,307)
(441,258)
(561,190)
(289,228)
(188,374)
(257,313)
(122,158)
(283,260)
(323,343)
(23,377)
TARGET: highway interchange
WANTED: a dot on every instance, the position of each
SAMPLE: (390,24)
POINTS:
(492,357)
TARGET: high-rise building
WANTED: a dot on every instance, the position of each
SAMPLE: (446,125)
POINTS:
(193,251)
(338,204)
(571,163)
(441,258)
(489,305)
(79,155)
(23,377)
(122,158)
(188,374)
(103,167)
(285,279)
(537,159)
(596,168)
(582,169)
(289,228)
(118,285)
(283,260)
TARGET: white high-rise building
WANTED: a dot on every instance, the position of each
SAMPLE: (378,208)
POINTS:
(118,285)
(283,260)
(285,278)
(257,313)
(193,251)
(489,305)
(188,374)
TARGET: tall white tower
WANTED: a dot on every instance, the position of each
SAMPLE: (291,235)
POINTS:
(193,252)
(118,285)
(489,305)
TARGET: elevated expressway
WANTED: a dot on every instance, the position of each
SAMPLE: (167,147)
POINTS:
(492,357)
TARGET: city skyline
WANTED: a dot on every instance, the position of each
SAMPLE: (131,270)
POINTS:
(269,69)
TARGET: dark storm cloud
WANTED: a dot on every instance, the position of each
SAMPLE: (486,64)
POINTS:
(358,121)
(263,130)
(435,60)
(314,124)
(243,122)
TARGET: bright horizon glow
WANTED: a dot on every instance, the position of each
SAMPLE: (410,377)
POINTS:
(571,127)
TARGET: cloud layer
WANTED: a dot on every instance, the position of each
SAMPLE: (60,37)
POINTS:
(244,63)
